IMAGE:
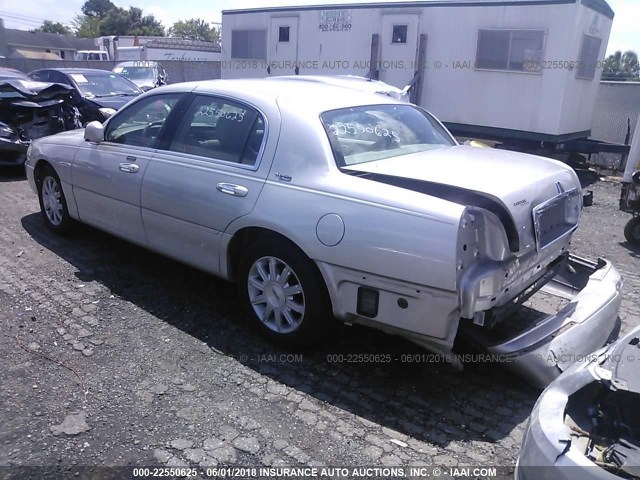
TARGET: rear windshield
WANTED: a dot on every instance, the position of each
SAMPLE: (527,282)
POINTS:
(136,73)
(375,132)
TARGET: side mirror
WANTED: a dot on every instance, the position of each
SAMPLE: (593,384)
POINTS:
(636,177)
(94,132)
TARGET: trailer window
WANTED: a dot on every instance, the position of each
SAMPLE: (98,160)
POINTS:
(588,57)
(399,34)
(511,50)
(283,34)
(249,44)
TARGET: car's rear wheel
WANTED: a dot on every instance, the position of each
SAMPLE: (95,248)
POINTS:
(53,205)
(284,294)
(632,231)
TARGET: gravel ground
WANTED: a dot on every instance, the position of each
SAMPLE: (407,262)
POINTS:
(112,355)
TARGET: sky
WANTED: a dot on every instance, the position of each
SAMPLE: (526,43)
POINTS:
(29,14)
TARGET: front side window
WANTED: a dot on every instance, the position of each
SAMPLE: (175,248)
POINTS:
(140,124)
(376,132)
(220,129)
(511,50)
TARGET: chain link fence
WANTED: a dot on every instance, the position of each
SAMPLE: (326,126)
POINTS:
(617,108)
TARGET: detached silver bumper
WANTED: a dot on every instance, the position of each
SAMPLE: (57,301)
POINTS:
(584,325)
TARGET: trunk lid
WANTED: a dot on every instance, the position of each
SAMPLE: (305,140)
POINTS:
(510,184)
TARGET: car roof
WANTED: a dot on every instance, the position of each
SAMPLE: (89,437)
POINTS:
(312,97)
(12,73)
(75,70)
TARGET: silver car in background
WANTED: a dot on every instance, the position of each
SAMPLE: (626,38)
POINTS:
(586,424)
(146,74)
(323,201)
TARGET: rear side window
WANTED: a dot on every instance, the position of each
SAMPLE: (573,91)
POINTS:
(220,129)
(41,76)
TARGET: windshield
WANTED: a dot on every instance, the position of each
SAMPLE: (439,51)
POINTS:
(136,73)
(92,84)
(375,132)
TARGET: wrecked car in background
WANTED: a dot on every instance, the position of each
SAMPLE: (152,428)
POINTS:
(319,199)
(30,110)
(100,93)
(586,424)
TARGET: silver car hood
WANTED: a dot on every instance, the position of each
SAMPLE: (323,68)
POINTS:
(507,183)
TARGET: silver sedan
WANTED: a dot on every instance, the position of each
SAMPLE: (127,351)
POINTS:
(323,201)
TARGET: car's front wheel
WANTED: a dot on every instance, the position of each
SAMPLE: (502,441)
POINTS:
(284,294)
(53,204)
(632,231)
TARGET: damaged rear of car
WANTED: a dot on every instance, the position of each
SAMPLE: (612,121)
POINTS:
(30,110)
(586,424)
(521,295)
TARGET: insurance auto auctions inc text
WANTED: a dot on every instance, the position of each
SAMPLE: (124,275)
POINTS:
(351,472)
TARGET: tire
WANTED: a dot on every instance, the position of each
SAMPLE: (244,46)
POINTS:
(632,231)
(53,205)
(294,311)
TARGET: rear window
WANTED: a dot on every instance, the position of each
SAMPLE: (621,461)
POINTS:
(370,133)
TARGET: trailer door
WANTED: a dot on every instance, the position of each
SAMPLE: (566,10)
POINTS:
(399,44)
(283,49)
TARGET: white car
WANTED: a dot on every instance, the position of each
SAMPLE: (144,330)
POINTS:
(355,82)
(324,201)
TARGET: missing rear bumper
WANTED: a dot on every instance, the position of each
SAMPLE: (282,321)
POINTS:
(589,319)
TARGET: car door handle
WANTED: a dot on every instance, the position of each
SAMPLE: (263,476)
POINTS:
(232,189)
(129,167)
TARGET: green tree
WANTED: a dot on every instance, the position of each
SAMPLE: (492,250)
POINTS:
(53,27)
(97,8)
(86,26)
(119,21)
(195,29)
(621,66)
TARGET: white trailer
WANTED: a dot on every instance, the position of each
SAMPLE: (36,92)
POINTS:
(125,48)
(511,70)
